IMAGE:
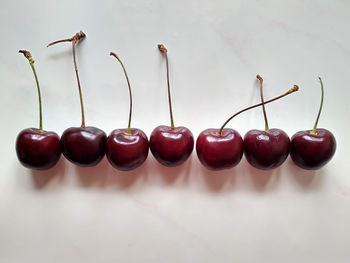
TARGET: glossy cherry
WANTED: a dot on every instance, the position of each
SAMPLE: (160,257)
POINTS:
(83,146)
(219,149)
(312,149)
(217,152)
(36,148)
(126,149)
(266,149)
(171,146)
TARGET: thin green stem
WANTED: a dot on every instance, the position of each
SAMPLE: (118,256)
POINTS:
(262,101)
(130,95)
(31,63)
(163,49)
(75,39)
(320,109)
(295,88)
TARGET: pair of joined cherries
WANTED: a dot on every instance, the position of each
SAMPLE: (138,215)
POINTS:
(126,149)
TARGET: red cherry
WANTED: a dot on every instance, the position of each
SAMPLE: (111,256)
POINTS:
(217,152)
(39,150)
(171,147)
(36,148)
(83,146)
(266,149)
(127,151)
(312,149)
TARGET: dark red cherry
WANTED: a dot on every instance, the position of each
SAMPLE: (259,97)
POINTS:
(36,148)
(127,151)
(218,152)
(314,148)
(83,146)
(39,150)
(171,147)
(266,150)
(312,151)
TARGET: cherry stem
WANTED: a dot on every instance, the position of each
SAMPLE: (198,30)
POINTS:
(320,109)
(31,62)
(262,101)
(75,39)
(295,88)
(130,95)
(163,49)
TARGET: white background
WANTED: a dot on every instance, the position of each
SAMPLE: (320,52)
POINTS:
(183,214)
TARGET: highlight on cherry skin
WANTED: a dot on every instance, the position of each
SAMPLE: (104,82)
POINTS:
(219,149)
(83,146)
(36,148)
(171,146)
(313,149)
(266,149)
(126,149)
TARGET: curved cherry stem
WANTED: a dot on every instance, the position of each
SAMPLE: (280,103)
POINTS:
(75,39)
(295,88)
(262,101)
(130,95)
(163,49)
(31,63)
(320,109)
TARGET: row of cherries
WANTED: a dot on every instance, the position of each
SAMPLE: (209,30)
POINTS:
(127,149)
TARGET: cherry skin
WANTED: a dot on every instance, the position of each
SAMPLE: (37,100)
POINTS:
(83,146)
(171,147)
(266,150)
(126,151)
(39,150)
(312,151)
(218,152)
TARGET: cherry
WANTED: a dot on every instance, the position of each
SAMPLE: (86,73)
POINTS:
(266,149)
(312,149)
(83,146)
(37,149)
(171,146)
(126,149)
(219,149)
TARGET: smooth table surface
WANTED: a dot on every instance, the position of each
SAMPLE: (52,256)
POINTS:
(187,213)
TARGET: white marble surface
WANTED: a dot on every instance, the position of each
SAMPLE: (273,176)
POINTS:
(184,214)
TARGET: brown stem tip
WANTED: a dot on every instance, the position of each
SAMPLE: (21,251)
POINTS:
(75,39)
(162,48)
(295,88)
(26,53)
(114,55)
(259,77)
